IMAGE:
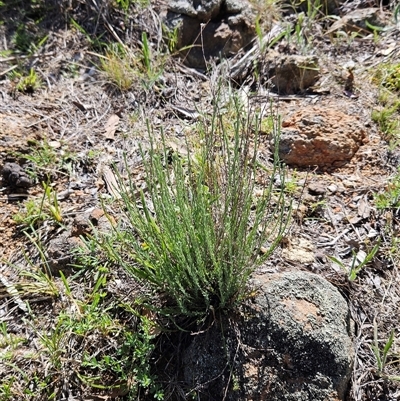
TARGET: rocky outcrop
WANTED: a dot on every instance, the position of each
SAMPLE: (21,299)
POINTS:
(291,342)
(210,29)
(320,137)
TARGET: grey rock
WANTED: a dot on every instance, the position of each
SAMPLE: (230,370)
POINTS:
(84,223)
(356,21)
(317,188)
(235,6)
(203,10)
(292,73)
(15,175)
(60,253)
(81,225)
(210,29)
(291,342)
(326,7)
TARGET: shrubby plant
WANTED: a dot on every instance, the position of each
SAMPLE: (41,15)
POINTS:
(199,231)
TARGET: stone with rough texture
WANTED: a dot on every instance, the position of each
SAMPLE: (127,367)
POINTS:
(60,253)
(325,7)
(83,223)
(202,10)
(81,226)
(291,342)
(298,250)
(15,175)
(358,20)
(292,73)
(320,137)
(210,29)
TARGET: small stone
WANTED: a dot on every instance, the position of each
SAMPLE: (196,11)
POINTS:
(332,188)
(291,74)
(106,224)
(23,182)
(60,253)
(349,184)
(316,188)
(96,215)
(299,250)
(210,29)
(14,175)
(54,144)
(360,21)
(81,226)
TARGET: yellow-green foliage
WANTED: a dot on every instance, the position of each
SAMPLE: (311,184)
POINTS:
(387,77)
(391,77)
(118,69)
(26,83)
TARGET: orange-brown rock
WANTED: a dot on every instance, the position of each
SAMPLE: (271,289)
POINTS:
(320,137)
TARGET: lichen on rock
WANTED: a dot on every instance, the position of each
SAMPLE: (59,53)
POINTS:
(292,341)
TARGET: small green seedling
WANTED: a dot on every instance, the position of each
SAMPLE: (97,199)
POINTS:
(386,115)
(29,83)
(47,159)
(146,54)
(381,356)
(170,37)
(31,215)
(360,259)
(124,4)
(38,210)
(52,203)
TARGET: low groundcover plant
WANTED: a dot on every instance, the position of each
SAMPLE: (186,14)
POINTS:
(198,231)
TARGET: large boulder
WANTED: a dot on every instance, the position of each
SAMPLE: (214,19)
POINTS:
(291,342)
(210,29)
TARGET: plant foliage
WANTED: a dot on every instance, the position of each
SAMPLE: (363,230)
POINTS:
(198,232)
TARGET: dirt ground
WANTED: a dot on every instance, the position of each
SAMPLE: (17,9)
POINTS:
(72,111)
